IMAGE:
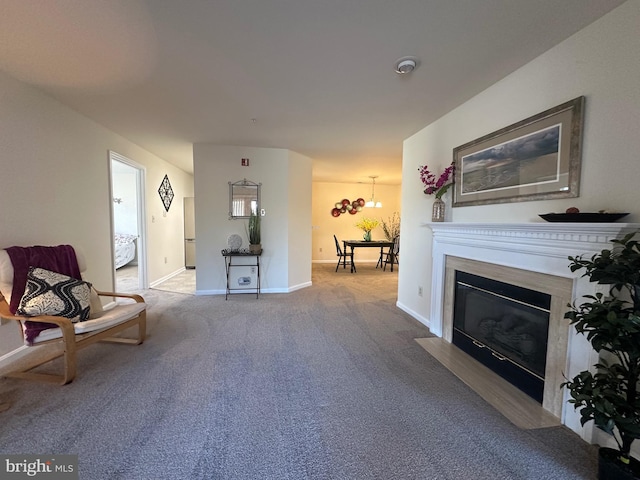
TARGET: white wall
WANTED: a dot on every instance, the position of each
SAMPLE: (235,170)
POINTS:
(55,188)
(299,204)
(165,230)
(284,175)
(600,62)
(325,226)
(125,208)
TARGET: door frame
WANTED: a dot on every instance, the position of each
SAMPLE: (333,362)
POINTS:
(141,171)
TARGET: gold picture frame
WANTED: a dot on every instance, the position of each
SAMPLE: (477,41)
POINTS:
(535,159)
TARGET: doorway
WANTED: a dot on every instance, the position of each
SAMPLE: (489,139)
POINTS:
(127,220)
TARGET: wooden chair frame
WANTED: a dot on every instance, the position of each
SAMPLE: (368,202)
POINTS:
(392,255)
(70,342)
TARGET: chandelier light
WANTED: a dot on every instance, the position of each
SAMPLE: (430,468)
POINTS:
(372,203)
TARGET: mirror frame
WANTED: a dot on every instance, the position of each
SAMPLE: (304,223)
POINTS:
(243,183)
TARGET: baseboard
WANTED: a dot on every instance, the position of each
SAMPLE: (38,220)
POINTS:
(262,290)
(11,357)
(335,262)
(166,277)
(416,315)
(300,286)
(211,292)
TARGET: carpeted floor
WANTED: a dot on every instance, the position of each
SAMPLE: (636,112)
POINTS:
(323,383)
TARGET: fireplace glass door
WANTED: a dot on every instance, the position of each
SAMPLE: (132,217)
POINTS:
(504,327)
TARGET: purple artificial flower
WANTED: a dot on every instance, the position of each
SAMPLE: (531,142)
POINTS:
(438,186)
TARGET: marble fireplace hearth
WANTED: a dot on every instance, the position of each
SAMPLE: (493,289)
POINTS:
(532,255)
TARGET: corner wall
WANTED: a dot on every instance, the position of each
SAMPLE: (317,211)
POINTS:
(299,231)
(285,262)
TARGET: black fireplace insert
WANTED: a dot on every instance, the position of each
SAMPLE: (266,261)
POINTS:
(505,327)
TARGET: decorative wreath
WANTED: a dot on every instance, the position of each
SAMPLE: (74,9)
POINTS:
(347,206)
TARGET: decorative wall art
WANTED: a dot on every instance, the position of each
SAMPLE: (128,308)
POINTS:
(347,206)
(535,159)
(166,192)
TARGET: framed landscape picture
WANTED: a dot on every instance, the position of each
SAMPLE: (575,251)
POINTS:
(535,159)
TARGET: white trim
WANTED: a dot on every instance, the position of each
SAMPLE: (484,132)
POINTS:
(414,314)
(335,262)
(8,359)
(251,291)
(167,277)
(211,292)
(141,172)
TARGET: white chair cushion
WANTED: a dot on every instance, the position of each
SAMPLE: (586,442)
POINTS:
(107,318)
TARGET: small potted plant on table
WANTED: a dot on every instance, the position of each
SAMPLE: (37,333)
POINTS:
(366,225)
(610,396)
(254,233)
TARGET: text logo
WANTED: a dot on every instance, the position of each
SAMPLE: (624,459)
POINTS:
(50,467)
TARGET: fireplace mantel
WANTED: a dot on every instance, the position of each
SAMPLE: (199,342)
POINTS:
(547,236)
(533,247)
(539,247)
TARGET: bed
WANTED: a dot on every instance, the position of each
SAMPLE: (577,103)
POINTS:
(125,249)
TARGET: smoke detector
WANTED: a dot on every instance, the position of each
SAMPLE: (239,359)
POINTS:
(406,65)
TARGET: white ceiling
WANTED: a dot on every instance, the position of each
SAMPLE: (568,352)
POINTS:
(313,76)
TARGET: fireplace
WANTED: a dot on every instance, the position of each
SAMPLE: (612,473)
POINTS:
(532,256)
(505,327)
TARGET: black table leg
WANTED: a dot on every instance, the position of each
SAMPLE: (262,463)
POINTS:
(353,266)
(344,258)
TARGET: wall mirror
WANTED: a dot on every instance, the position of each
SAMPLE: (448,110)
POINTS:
(244,198)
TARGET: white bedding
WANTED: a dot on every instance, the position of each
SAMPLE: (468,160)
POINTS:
(125,249)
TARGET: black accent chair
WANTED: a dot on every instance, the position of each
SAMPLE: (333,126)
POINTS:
(393,254)
(345,258)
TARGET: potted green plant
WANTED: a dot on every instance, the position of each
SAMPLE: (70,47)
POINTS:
(253,232)
(610,395)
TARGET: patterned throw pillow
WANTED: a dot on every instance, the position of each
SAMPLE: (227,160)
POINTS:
(51,293)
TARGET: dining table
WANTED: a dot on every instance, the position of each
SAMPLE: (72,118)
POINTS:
(382,244)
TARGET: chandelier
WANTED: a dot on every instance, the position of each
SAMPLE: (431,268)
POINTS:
(372,203)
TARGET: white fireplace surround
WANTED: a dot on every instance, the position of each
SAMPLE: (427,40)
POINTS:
(536,247)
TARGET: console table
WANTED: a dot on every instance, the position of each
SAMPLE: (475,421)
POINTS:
(229,256)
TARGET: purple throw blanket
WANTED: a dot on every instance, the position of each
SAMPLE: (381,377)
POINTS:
(60,259)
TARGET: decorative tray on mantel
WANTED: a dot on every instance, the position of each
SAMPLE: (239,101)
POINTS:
(583,217)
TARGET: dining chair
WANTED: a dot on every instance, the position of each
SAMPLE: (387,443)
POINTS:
(393,254)
(345,258)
